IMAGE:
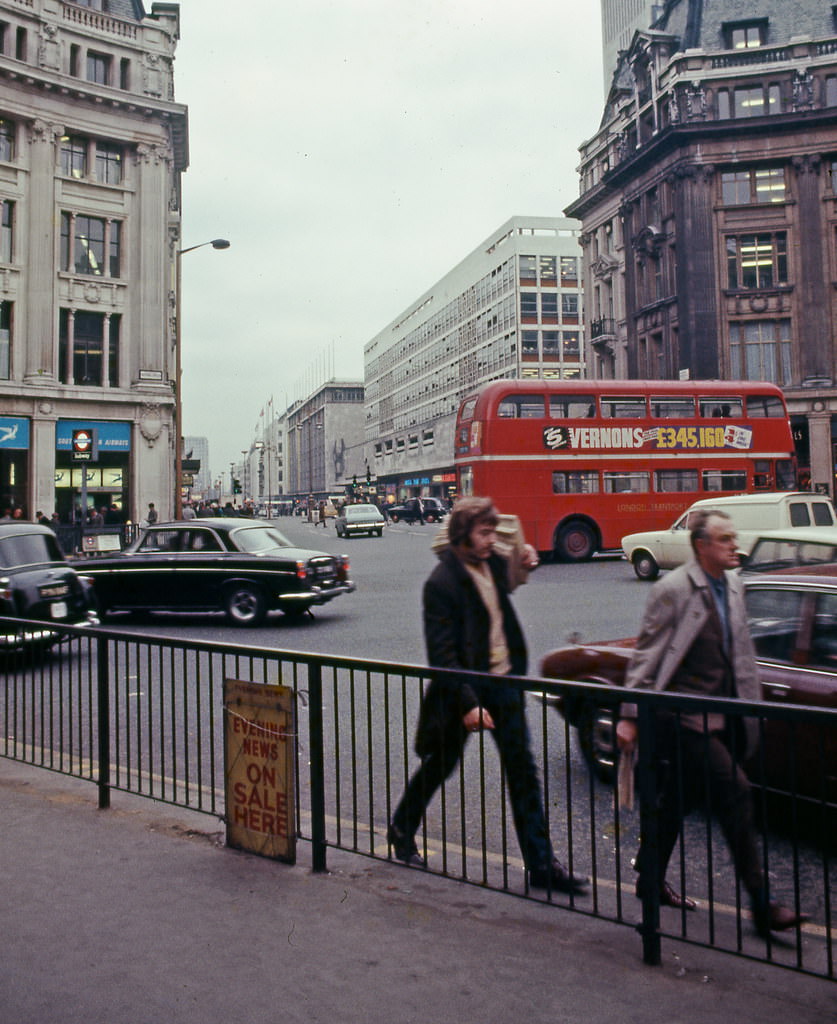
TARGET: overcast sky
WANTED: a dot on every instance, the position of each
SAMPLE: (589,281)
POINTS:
(354,151)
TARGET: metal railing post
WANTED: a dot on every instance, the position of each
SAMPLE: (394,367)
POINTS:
(317,769)
(649,928)
(103,711)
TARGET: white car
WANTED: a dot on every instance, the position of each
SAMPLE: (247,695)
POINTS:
(752,516)
(356,519)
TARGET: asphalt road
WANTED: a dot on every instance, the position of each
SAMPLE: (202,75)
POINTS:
(382,620)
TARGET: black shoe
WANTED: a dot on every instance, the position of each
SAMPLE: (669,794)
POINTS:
(773,917)
(669,897)
(404,848)
(555,876)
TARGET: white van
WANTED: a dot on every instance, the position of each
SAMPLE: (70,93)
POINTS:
(752,515)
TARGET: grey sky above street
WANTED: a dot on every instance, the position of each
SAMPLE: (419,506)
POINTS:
(354,151)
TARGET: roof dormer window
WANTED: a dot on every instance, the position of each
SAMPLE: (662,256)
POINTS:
(745,35)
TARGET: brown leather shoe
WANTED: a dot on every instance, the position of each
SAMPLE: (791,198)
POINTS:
(669,897)
(776,918)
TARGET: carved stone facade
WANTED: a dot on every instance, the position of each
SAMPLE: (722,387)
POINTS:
(92,147)
(709,209)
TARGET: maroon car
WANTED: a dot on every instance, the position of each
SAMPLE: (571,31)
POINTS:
(793,622)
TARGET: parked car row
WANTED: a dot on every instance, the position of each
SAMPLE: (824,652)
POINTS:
(37,583)
(752,515)
(792,618)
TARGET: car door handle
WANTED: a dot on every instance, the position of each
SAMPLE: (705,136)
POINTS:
(778,691)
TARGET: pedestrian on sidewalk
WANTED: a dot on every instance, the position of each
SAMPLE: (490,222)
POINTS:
(469,623)
(695,639)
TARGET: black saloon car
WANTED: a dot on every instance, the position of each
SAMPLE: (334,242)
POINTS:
(36,582)
(244,567)
(432,510)
(792,616)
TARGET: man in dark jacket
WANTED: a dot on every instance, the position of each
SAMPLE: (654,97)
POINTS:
(469,623)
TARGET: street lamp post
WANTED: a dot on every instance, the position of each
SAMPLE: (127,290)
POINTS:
(216,243)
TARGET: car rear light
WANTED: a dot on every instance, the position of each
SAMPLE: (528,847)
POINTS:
(301,571)
(342,568)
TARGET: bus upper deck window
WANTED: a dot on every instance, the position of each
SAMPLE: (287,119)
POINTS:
(623,408)
(522,407)
(468,408)
(765,406)
(572,407)
(672,408)
(721,408)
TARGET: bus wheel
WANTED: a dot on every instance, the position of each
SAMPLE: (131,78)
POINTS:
(576,542)
(645,566)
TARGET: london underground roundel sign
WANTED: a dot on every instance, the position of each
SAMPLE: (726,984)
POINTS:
(82,445)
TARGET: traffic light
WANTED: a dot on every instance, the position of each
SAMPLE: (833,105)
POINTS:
(368,476)
(236,485)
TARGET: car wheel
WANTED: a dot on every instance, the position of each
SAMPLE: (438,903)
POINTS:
(381,532)
(597,739)
(645,565)
(576,542)
(244,605)
(394,517)
(430,517)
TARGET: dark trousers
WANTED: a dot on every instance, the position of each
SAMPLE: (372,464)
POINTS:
(511,734)
(701,771)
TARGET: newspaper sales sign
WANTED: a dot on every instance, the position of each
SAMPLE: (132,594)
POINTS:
(259,733)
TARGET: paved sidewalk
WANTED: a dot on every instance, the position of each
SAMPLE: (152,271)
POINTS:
(139,915)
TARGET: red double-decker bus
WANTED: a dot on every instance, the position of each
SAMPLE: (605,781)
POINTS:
(582,463)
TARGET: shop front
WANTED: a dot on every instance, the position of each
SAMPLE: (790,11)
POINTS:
(104,479)
(14,465)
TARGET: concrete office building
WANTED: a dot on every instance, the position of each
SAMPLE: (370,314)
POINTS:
(512,308)
(321,453)
(709,208)
(92,146)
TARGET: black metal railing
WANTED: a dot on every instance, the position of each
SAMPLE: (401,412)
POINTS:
(143,715)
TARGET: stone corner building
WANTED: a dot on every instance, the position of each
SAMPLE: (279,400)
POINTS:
(709,207)
(92,146)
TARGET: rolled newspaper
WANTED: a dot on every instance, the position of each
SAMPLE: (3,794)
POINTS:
(510,545)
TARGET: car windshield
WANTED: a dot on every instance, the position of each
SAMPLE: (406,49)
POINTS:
(28,549)
(259,539)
